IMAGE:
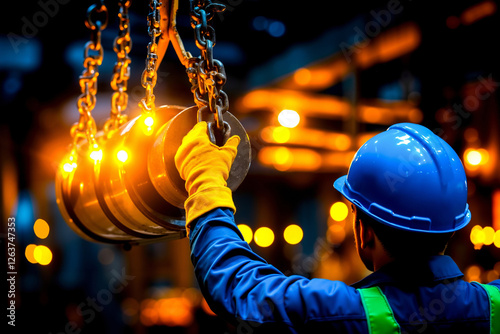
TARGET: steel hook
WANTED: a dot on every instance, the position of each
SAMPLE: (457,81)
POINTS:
(169,33)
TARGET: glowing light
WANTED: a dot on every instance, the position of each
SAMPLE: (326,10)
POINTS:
(277,157)
(293,234)
(496,267)
(495,205)
(491,275)
(302,76)
(342,142)
(289,118)
(96,155)
(130,307)
(41,228)
(485,156)
(496,239)
(306,137)
(149,121)
(473,273)
(281,134)
(389,45)
(264,237)
(321,105)
(246,231)
(283,159)
(174,311)
(474,270)
(371,114)
(193,295)
(477,12)
(298,159)
(476,157)
(149,316)
(318,76)
(276,29)
(42,255)
(415,115)
(69,167)
(489,235)
(335,234)
(473,157)
(147,303)
(122,155)
(30,253)
(477,235)
(364,137)
(339,211)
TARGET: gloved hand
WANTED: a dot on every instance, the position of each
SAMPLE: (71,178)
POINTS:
(205,168)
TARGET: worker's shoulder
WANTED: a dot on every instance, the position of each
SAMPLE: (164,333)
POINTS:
(495,283)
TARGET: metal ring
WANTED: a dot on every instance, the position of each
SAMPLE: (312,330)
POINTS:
(217,136)
(219,120)
(99,25)
(209,54)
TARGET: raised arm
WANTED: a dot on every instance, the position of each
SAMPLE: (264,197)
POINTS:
(237,283)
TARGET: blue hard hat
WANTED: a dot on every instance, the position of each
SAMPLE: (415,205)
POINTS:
(410,179)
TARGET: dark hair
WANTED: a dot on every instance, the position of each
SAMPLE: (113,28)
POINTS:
(402,243)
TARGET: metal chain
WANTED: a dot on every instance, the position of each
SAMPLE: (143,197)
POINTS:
(206,74)
(121,72)
(93,55)
(149,75)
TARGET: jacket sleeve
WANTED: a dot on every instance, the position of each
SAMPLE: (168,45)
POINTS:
(243,288)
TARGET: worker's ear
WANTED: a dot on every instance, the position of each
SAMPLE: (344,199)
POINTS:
(366,235)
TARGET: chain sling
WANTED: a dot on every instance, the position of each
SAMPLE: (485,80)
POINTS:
(120,185)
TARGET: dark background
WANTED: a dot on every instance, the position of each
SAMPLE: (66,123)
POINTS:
(261,43)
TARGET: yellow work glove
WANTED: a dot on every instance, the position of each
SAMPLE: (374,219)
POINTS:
(205,168)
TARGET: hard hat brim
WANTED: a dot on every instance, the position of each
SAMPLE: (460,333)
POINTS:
(341,185)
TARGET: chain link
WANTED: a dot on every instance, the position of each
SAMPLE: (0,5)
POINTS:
(149,75)
(93,55)
(206,74)
(121,72)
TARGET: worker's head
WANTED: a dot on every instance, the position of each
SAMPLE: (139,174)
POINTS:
(407,183)
(396,243)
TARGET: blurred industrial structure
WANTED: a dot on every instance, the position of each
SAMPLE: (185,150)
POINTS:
(309,83)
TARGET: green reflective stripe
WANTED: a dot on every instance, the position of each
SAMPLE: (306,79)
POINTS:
(379,316)
(494,294)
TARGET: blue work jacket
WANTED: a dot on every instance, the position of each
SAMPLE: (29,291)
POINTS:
(429,296)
